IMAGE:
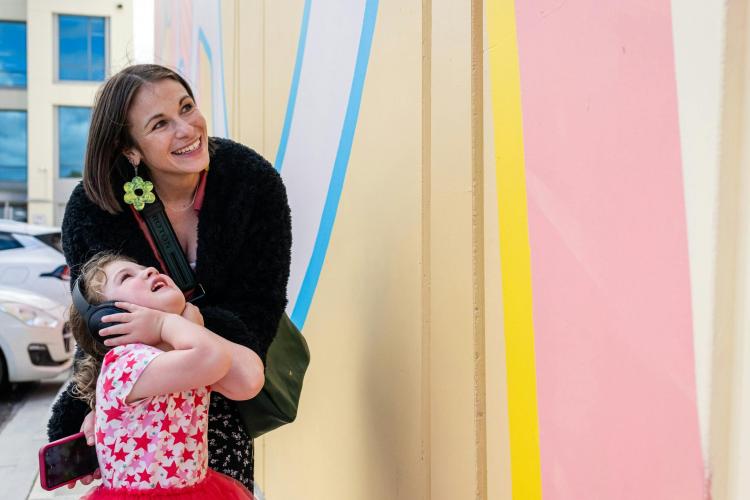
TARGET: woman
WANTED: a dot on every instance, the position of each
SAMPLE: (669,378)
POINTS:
(232,221)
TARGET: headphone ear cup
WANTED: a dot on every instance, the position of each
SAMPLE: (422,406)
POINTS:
(96,324)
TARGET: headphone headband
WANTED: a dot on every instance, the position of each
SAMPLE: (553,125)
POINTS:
(92,314)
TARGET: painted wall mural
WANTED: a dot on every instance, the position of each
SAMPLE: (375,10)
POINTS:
(320,119)
(593,244)
(188,37)
(319,128)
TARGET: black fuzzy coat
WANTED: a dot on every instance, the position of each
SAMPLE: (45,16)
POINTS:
(243,258)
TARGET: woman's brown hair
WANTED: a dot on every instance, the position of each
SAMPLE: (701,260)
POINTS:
(105,167)
(88,367)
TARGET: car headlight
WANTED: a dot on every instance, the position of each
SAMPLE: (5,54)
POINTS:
(29,315)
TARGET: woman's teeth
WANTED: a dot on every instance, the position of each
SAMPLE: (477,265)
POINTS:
(189,149)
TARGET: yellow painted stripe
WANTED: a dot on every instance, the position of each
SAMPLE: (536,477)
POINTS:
(515,257)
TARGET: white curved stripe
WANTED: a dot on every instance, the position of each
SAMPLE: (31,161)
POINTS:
(325,82)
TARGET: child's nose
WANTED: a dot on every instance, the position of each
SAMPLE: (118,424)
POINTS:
(148,272)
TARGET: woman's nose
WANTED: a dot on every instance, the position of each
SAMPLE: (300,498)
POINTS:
(183,128)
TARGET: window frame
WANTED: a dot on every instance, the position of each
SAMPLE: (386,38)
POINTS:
(56,49)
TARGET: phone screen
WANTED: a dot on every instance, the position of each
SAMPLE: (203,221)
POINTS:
(68,461)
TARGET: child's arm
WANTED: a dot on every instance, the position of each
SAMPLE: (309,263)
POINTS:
(199,358)
(246,377)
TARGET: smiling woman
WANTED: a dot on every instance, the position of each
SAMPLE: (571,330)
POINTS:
(232,222)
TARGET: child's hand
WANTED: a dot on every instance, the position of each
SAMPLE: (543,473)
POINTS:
(139,324)
(193,314)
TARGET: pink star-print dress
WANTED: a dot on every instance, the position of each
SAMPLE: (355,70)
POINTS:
(156,446)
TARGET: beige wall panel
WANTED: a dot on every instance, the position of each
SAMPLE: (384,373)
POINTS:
(498,427)
(453,432)
(257,93)
(229,55)
(14,10)
(260,47)
(361,425)
(245,97)
(282,22)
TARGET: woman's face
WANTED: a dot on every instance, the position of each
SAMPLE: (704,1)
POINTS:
(144,286)
(168,130)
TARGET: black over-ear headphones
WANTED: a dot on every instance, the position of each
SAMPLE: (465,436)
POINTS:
(93,314)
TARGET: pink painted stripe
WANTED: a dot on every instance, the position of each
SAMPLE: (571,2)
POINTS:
(611,290)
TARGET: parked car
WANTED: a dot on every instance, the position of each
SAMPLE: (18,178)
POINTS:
(31,259)
(35,342)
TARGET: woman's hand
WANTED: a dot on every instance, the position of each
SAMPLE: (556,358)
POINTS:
(139,324)
(193,314)
(87,427)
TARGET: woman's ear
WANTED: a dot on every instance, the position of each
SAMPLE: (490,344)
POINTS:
(132,155)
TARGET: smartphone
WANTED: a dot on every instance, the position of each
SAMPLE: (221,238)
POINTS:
(66,460)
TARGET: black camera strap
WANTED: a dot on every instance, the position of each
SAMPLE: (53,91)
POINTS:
(163,240)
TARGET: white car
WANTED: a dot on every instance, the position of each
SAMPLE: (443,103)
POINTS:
(31,259)
(34,342)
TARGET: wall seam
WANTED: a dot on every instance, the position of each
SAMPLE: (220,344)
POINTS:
(477,189)
(263,77)
(426,187)
(236,92)
(727,339)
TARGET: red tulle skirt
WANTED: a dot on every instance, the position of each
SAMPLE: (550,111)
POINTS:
(214,485)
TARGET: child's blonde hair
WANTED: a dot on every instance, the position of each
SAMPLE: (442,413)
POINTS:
(87,367)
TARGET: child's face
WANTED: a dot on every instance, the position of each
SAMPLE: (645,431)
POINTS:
(143,286)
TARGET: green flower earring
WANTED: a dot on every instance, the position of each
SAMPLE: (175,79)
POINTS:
(138,192)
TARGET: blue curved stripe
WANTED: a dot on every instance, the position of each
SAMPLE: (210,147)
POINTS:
(310,281)
(281,152)
(221,62)
(203,40)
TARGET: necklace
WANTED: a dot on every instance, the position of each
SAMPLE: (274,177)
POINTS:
(192,202)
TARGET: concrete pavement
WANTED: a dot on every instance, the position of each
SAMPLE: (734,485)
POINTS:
(20,440)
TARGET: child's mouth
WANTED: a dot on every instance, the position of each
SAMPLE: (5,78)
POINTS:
(158,285)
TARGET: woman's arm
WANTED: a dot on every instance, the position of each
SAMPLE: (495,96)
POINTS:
(245,378)
(67,414)
(249,311)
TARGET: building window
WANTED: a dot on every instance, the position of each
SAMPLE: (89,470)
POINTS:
(82,48)
(13,158)
(12,54)
(72,132)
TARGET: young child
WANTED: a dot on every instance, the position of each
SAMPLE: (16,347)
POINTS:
(150,386)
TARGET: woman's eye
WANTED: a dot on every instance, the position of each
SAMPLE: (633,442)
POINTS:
(187,107)
(158,124)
